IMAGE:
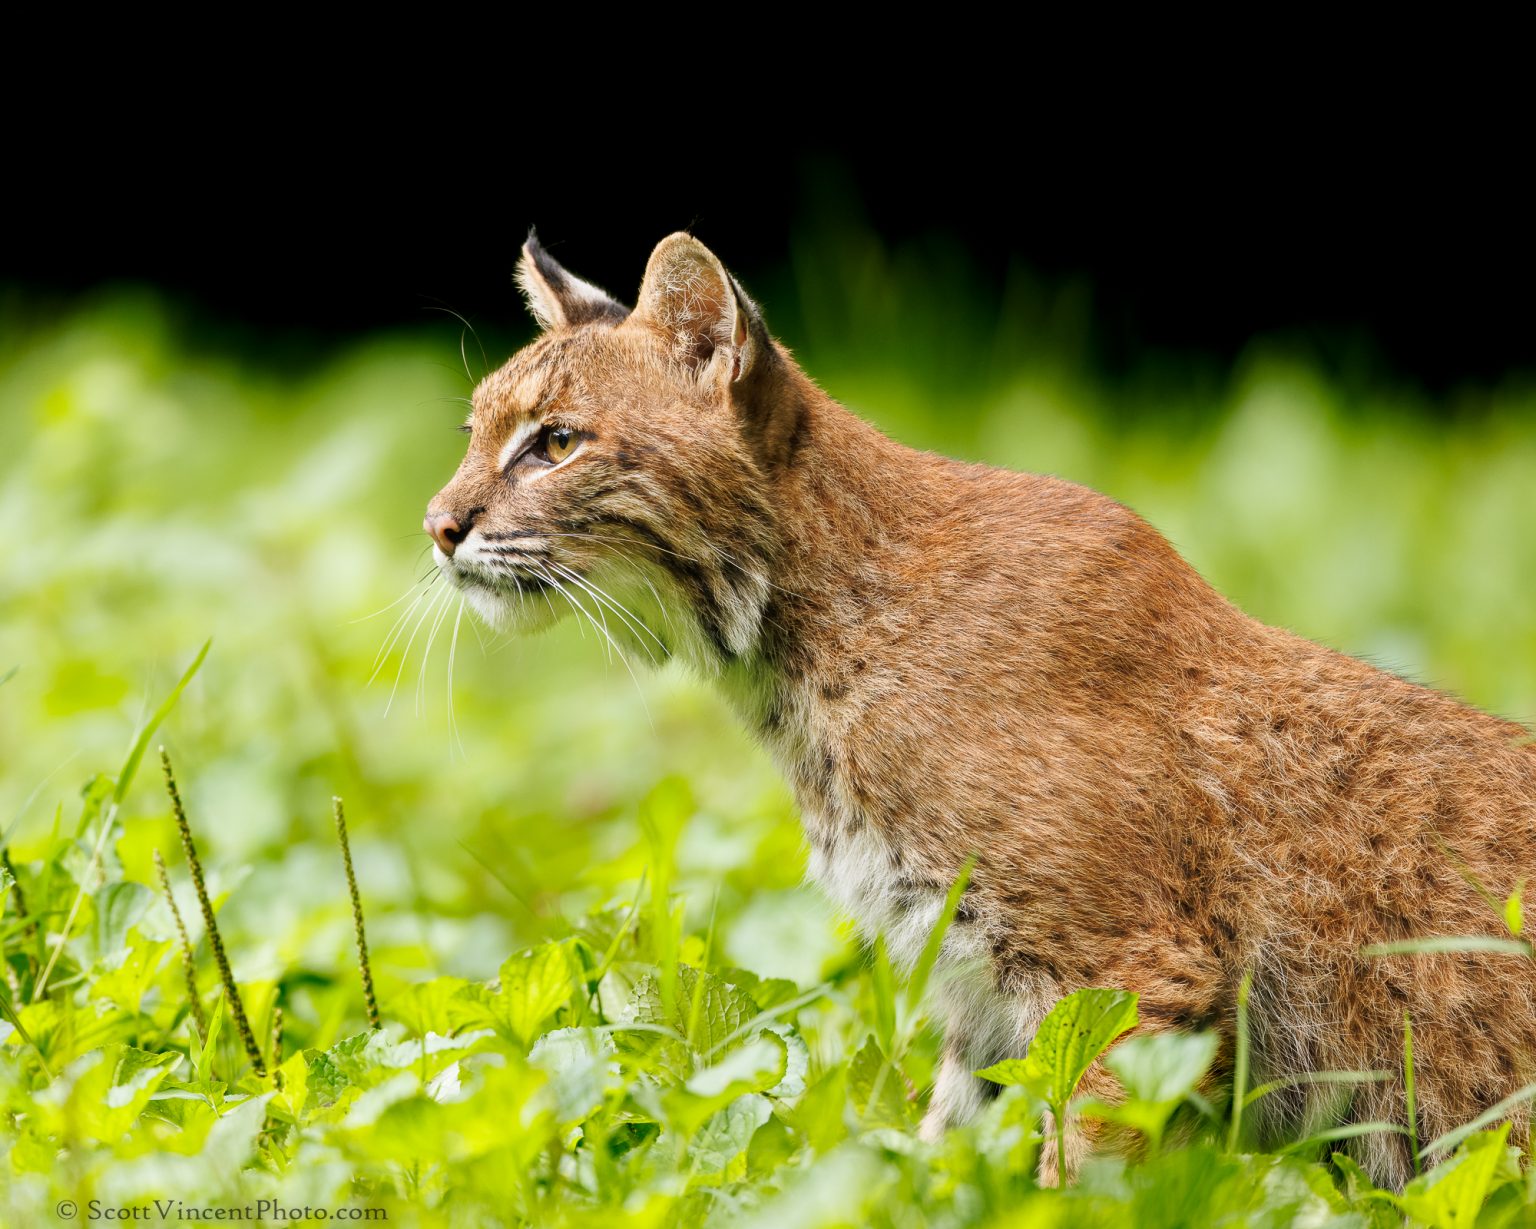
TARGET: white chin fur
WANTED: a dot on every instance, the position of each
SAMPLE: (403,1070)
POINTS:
(505,611)
(494,609)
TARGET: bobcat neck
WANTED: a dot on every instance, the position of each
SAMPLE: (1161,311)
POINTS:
(845,556)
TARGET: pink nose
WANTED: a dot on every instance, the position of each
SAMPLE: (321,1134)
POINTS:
(445,530)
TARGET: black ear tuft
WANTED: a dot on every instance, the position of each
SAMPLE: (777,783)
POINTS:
(558,298)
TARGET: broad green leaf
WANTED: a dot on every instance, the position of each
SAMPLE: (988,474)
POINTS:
(726,1135)
(1514,911)
(1068,1041)
(581,1068)
(818,1114)
(102,1094)
(136,1069)
(326,1082)
(126,985)
(293,1088)
(773,1147)
(1452,1194)
(533,987)
(117,907)
(1011,1073)
(1008,1133)
(766,992)
(797,1061)
(424,1055)
(709,1012)
(439,1006)
(1160,1067)
(878,1089)
(192,1109)
(231,1140)
(754,1067)
(1158,1071)
(338,1075)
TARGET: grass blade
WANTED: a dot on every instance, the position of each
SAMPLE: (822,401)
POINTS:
(1315,1077)
(124,779)
(146,732)
(1448,1141)
(919,981)
(1410,1093)
(1352,1130)
(1240,1064)
(1439,944)
(883,987)
(8,1011)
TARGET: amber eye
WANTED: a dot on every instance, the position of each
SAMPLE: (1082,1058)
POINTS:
(558,443)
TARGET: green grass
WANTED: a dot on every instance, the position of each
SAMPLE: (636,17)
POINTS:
(588,900)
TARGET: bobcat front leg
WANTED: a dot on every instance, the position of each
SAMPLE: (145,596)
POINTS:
(958,1095)
(984,1025)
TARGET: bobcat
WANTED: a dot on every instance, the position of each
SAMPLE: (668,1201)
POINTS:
(949,660)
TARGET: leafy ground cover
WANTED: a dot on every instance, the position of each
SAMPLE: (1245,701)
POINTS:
(605,996)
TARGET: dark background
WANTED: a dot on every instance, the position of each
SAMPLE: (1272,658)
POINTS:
(1405,241)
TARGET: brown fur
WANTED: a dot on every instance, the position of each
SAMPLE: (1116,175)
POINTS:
(948,659)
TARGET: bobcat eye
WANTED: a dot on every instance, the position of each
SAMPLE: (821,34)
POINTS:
(557,443)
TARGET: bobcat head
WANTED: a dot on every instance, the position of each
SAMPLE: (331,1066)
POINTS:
(620,466)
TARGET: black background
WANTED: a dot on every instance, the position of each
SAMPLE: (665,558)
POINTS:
(1407,235)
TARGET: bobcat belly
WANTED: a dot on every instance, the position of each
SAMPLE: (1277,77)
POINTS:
(984,1022)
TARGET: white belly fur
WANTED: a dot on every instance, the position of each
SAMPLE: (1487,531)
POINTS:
(984,1024)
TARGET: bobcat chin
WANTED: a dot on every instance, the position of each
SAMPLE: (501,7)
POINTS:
(950,660)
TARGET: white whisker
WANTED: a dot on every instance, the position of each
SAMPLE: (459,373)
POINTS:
(637,541)
(555,584)
(616,545)
(453,650)
(612,644)
(426,657)
(384,609)
(432,605)
(397,630)
(629,618)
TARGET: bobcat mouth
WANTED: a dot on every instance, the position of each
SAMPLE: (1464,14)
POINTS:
(501,579)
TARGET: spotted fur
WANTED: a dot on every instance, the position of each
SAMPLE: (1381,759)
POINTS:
(947,660)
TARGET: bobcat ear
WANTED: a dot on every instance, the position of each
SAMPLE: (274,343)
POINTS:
(559,299)
(709,322)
